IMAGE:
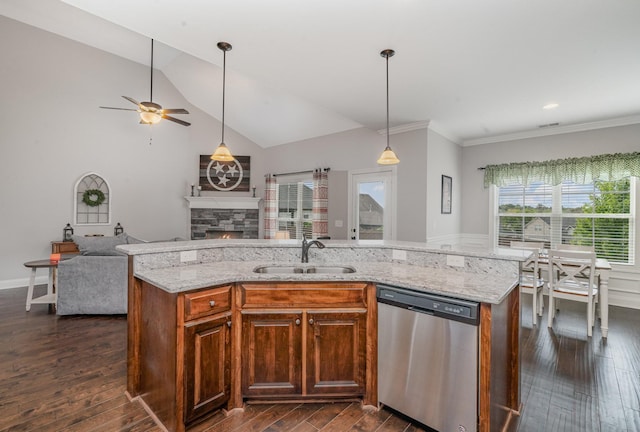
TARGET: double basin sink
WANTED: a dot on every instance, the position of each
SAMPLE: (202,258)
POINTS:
(321,269)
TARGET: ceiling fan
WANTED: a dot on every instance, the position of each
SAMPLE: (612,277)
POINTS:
(150,112)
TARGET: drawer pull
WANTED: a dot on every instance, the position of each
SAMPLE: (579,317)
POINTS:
(212,303)
(310,321)
(229,324)
(298,321)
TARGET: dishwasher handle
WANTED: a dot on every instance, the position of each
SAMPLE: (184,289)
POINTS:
(420,310)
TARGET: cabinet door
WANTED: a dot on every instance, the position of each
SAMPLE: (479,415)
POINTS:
(207,366)
(271,354)
(336,353)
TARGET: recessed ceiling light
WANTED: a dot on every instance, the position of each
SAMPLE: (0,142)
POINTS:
(550,106)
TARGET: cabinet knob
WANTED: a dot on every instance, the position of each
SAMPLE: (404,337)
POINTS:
(297,321)
(310,321)
(229,324)
(212,303)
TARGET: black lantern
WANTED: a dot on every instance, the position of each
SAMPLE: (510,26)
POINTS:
(67,232)
(118,229)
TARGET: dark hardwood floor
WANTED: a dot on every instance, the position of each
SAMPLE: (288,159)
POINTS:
(68,374)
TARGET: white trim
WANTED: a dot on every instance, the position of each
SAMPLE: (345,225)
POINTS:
(557,130)
(445,133)
(393,171)
(210,202)
(23,283)
(405,128)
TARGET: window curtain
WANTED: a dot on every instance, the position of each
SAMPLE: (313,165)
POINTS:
(320,225)
(270,207)
(583,170)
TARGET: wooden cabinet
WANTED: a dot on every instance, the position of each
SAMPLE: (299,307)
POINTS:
(311,342)
(62,247)
(191,353)
(207,364)
(207,351)
(271,354)
(336,350)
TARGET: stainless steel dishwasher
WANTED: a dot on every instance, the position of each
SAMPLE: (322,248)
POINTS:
(428,358)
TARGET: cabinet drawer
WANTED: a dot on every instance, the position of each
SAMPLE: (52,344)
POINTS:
(301,295)
(207,302)
(64,248)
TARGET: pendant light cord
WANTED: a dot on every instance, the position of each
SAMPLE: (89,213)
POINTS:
(151,92)
(224,86)
(387,57)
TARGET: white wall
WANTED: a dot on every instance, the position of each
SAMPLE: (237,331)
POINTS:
(444,158)
(625,283)
(52,132)
(359,149)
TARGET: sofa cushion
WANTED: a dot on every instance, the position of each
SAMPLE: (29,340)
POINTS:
(99,245)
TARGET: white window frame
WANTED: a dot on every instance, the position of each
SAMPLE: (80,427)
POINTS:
(299,220)
(557,215)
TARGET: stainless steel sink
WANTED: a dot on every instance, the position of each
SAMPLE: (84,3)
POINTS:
(330,269)
(311,270)
(278,269)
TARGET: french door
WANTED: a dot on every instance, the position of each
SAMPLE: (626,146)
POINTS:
(372,204)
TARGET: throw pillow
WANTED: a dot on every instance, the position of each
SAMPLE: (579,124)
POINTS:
(99,245)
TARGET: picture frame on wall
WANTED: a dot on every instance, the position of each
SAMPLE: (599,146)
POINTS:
(445,202)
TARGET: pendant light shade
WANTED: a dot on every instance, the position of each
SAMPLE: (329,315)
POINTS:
(222,153)
(388,157)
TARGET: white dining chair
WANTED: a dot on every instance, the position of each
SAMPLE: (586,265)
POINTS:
(571,277)
(531,281)
(583,248)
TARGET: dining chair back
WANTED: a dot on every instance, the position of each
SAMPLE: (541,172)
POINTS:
(571,277)
(531,281)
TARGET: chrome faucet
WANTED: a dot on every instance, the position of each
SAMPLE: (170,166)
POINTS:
(306,245)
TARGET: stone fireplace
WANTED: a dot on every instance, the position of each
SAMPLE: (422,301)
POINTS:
(223,217)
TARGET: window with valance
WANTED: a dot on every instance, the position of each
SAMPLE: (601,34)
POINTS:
(583,201)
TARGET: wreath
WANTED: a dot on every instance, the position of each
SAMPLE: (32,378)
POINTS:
(93,197)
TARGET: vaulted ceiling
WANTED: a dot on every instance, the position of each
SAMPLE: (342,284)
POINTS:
(476,70)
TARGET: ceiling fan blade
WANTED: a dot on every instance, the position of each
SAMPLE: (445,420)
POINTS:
(173,119)
(175,111)
(133,101)
(123,109)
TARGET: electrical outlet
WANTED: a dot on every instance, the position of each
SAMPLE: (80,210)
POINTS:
(399,255)
(188,256)
(455,260)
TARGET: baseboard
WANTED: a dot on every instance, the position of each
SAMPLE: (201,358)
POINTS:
(22,282)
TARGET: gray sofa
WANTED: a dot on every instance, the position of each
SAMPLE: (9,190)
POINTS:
(94,282)
(92,285)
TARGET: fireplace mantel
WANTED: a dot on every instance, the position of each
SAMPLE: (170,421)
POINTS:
(216,202)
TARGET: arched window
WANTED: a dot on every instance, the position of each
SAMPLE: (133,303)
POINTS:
(92,200)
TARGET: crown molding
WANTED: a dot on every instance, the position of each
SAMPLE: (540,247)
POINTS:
(557,130)
(405,128)
(445,133)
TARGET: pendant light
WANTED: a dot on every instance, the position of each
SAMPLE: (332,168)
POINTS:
(222,153)
(388,157)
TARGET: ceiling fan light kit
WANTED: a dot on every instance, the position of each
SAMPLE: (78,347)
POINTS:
(222,152)
(388,157)
(151,113)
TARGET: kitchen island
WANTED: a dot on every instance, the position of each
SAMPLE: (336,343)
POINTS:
(205,331)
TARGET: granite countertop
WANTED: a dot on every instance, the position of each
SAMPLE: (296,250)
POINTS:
(469,250)
(487,288)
